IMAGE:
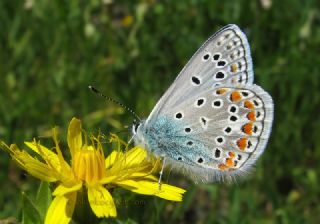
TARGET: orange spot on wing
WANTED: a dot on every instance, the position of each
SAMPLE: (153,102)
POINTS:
(247,128)
(222,166)
(248,104)
(242,143)
(221,91)
(231,154)
(229,162)
(234,67)
(235,96)
(251,116)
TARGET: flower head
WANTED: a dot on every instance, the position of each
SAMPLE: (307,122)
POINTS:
(90,170)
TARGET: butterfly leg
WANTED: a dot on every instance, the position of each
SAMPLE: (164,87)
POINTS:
(130,140)
(161,172)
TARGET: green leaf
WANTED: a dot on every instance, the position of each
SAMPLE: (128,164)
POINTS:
(43,198)
(30,213)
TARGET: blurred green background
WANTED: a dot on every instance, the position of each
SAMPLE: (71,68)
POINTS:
(50,51)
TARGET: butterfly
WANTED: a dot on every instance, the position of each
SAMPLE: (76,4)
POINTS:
(212,123)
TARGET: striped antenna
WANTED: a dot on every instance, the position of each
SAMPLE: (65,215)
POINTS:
(114,101)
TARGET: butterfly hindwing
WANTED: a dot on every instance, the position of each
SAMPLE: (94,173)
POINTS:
(225,129)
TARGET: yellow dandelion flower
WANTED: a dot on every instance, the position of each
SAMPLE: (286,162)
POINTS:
(90,170)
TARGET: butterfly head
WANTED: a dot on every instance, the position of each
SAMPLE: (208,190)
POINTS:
(137,132)
(136,124)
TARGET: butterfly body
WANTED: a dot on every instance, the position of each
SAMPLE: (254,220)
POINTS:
(212,123)
(164,139)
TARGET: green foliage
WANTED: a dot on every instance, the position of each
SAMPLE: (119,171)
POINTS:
(30,212)
(50,51)
(34,210)
(43,199)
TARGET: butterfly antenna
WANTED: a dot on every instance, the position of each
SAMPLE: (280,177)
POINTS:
(114,101)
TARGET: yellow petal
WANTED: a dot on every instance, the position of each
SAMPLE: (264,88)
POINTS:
(61,189)
(116,178)
(40,170)
(45,153)
(101,201)
(32,165)
(141,175)
(56,163)
(134,157)
(65,168)
(108,179)
(114,156)
(166,191)
(74,136)
(61,209)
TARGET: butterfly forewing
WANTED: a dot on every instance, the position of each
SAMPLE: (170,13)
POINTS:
(223,59)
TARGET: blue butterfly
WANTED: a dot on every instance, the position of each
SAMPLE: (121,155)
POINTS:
(212,123)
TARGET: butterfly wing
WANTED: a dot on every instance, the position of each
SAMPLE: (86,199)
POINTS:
(212,122)
(223,59)
(220,132)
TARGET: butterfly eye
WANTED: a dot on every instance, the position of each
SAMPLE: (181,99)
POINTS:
(135,127)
